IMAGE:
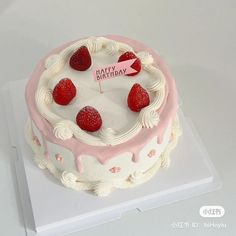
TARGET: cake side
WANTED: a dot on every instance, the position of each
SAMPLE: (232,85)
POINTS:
(120,172)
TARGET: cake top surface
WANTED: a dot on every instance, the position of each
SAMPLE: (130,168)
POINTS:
(119,122)
(111,103)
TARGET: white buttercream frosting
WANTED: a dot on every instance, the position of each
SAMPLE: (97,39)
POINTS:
(137,175)
(94,44)
(112,47)
(65,127)
(149,119)
(68,179)
(51,60)
(107,135)
(145,57)
(44,94)
(62,130)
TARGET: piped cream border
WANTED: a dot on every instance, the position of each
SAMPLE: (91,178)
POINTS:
(66,129)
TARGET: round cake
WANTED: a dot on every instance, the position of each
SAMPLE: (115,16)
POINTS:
(103,113)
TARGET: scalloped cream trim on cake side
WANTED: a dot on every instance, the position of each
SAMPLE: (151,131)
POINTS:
(66,129)
(103,188)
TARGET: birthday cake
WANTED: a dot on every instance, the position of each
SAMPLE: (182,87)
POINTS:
(102,114)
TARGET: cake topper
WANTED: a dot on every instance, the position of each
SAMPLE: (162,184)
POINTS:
(113,70)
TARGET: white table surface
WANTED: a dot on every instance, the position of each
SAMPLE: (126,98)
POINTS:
(198,41)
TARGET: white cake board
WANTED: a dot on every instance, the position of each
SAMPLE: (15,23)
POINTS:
(51,209)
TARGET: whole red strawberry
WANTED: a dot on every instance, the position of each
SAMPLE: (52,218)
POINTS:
(64,92)
(81,59)
(136,65)
(89,119)
(138,98)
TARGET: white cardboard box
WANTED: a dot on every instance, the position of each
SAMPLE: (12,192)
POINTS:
(51,209)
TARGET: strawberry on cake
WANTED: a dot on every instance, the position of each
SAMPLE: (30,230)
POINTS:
(112,131)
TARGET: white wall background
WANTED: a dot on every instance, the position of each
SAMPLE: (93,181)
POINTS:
(198,41)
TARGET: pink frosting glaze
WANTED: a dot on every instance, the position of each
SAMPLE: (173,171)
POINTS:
(152,153)
(115,169)
(104,154)
(59,157)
